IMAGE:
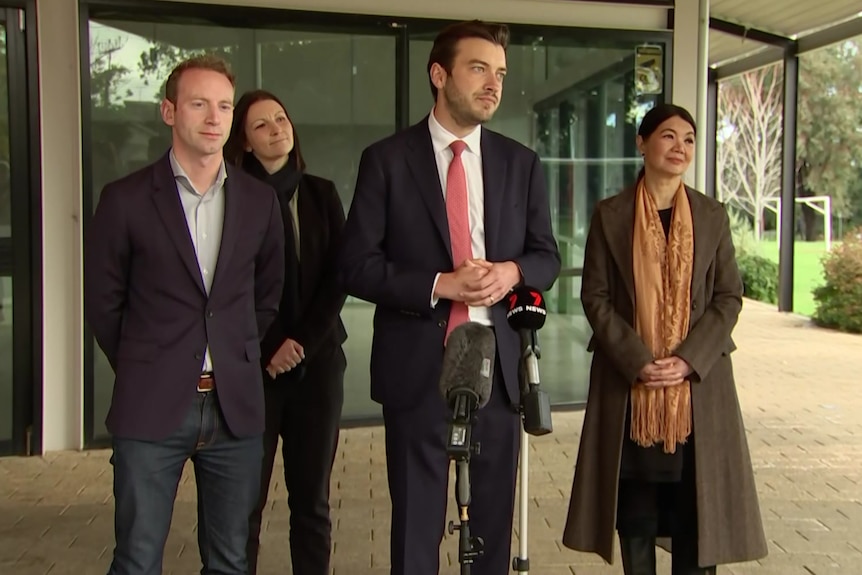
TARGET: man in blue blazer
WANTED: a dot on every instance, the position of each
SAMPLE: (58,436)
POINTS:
(184,268)
(447,218)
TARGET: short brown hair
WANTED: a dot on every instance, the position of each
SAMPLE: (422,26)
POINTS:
(202,62)
(234,149)
(446,43)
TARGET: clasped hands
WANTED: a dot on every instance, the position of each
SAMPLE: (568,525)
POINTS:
(288,356)
(665,372)
(478,282)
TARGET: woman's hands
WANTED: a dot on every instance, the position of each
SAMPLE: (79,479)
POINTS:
(665,372)
(288,356)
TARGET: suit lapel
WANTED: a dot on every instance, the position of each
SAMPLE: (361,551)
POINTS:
(230,228)
(423,166)
(618,229)
(494,167)
(170,208)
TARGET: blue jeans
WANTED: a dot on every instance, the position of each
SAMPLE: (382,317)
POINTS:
(146,476)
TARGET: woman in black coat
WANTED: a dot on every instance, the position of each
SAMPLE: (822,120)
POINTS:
(301,353)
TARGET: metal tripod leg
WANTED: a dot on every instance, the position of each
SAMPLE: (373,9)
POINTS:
(521,563)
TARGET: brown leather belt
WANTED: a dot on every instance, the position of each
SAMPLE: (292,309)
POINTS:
(206,382)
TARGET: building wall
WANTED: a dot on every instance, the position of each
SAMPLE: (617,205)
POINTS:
(60,109)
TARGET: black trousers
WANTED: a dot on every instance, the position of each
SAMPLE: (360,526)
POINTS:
(418,471)
(306,415)
(650,509)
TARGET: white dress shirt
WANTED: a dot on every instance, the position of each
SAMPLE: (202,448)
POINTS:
(205,219)
(471,158)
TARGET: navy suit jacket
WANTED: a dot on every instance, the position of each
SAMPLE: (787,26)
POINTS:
(397,239)
(148,309)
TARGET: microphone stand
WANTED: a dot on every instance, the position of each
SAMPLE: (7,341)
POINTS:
(460,448)
(530,377)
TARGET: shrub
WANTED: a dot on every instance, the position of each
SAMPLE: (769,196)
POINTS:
(741,231)
(759,277)
(839,300)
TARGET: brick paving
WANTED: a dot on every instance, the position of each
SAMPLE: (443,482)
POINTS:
(800,391)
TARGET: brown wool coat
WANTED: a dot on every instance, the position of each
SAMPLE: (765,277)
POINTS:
(729,522)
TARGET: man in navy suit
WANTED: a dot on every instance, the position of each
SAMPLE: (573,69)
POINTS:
(184,269)
(447,218)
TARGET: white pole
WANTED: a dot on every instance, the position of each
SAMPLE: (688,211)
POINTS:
(524,499)
(702,91)
(827,223)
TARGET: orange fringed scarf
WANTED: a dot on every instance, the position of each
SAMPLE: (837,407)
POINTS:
(662,276)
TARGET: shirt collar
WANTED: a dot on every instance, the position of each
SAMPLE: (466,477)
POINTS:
(181,175)
(441,138)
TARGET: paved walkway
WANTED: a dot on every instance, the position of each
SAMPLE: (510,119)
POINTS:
(801,394)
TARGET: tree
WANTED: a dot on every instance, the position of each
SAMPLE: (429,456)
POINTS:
(749,141)
(105,75)
(829,139)
(160,58)
(852,212)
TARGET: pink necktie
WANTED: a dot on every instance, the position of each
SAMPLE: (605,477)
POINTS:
(459,226)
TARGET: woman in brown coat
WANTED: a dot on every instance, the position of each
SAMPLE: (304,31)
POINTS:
(663,452)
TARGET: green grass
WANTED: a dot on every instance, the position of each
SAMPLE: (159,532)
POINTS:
(807,271)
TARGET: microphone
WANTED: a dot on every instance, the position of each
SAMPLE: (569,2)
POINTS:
(466,383)
(526,315)
(466,380)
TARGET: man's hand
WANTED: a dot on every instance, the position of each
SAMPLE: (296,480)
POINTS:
(288,356)
(490,288)
(452,285)
(665,372)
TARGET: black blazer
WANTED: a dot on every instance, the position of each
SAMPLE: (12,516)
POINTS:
(147,307)
(321,224)
(397,239)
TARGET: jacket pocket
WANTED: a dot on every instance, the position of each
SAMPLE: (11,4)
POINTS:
(252,350)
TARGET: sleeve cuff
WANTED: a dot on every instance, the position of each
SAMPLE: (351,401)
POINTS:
(434,300)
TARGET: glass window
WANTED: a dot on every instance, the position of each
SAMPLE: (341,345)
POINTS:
(339,89)
(569,94)
(6,356)
(572,98)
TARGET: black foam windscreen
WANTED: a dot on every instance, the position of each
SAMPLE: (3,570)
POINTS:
(526,309)
(468,362)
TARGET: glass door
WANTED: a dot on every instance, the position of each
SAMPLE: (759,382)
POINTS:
(16,377)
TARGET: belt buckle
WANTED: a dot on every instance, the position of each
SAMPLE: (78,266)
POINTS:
(208,387)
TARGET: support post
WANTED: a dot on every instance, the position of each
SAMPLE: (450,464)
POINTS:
(700,174)
(710,138)
(788,180)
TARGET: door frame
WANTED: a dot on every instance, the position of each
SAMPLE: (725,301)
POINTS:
(19,17)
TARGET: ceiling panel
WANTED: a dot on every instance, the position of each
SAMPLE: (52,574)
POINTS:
(790,18)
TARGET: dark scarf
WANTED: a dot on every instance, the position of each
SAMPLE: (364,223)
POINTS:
(286,183)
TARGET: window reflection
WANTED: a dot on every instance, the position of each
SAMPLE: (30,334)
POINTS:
(5,181)
(6,357)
